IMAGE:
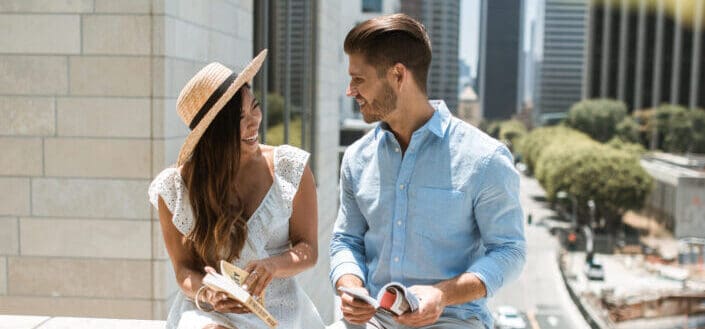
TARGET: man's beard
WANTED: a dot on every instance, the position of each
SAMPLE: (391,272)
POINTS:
(381,107)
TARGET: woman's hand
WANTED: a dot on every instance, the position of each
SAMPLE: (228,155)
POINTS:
(261,274)
(220,301)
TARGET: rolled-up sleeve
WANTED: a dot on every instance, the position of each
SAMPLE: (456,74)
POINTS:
(500,220)
(347,247)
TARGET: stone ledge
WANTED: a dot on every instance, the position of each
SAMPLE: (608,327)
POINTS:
(36,322)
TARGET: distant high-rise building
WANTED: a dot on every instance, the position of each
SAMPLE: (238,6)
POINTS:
(464,75)
(442,21)
(560,79)
(500,47)
(646,53)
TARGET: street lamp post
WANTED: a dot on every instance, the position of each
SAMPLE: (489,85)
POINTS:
(574,201)
(589,243)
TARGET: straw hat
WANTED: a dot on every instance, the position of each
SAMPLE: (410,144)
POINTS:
(205,95)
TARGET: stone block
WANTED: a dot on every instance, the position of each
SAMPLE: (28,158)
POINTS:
(116,34)
(16,196)
(96,238)
(3,276)
(103,117)
(21,156)
(40,34)
(123,6)
(90,198)
(225,49)
(78,307)
(27,116)
(9,237)
(171,75)
(110,76)
(166,123)
(164,279)
(194,11)
(158,248)
(157,158)
(185,40)
(245,24)
(33,75)
(58,277)
(106,158)
(223,16)
(47,6)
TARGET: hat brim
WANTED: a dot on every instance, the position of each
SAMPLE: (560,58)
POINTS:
(195,135)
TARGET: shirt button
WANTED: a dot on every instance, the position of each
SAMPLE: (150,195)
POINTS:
(396,149)
(396,259)
(401,186)
(399,222)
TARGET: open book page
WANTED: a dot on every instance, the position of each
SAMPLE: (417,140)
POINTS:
(238,275)
(393,298)
(361,294)
(227,283)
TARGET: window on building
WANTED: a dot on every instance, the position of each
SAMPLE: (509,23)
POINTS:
(287,29)
(371,6)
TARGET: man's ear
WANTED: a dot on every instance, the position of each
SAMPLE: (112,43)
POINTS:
(399,73)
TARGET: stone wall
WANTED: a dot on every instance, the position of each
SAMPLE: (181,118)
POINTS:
(87,108)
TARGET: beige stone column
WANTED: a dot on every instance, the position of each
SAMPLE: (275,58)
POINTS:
(87,118)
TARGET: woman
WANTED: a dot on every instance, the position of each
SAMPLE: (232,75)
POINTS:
(231,198)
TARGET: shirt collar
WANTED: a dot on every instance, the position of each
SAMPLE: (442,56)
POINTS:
(438,124)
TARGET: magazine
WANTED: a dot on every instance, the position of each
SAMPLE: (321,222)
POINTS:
(230,281)
(393,298)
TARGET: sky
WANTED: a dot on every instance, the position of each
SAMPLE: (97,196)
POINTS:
(469,32)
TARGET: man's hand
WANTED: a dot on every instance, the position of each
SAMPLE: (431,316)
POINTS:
(431,306)
(354,311)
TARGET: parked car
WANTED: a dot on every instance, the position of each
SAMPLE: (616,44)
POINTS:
(508,317)
(594,271)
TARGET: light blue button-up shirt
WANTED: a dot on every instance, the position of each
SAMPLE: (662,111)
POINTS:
(449,205)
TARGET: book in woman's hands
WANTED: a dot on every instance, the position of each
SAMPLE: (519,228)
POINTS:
(393,298)
(230,282)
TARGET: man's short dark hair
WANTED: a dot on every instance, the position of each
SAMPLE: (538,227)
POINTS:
(386,40)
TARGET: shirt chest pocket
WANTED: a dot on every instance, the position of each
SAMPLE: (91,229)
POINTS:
(440,215)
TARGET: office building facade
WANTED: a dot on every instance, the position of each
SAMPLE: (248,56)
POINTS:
(647,53)
(500,47)
(560,78)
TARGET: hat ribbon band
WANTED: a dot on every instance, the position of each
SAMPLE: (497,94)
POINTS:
(215,96)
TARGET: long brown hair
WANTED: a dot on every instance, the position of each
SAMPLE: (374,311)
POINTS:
(220,229)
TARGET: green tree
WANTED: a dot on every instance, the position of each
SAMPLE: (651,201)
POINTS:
(588,170)
(275,134)
(510,132)
(531,146)
(597,117)
(697,120)
(564,159)
(635,149)
(274,108)
(628,130)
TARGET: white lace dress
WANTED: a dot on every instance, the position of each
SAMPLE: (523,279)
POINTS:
(268,235)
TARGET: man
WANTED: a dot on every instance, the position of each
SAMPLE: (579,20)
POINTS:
(426,199)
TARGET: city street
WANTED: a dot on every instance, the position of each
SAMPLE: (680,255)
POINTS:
(540,291)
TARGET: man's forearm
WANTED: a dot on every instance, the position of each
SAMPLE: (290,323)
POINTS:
(462,289)
(349,280)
